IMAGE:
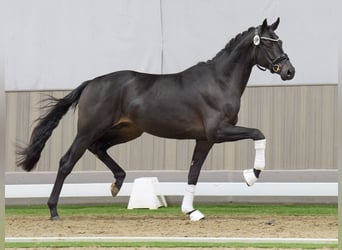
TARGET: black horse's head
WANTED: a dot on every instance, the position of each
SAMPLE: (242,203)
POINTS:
(269,52)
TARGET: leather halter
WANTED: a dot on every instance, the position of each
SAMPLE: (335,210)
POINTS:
(274,65)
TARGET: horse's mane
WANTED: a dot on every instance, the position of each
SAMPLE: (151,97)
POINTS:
(230,45)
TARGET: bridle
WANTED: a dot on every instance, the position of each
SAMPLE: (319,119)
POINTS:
(274,64)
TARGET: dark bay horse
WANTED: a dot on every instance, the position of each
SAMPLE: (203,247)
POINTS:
(200,103)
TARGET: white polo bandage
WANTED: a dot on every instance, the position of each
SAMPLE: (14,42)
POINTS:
(259,162)
(188,199)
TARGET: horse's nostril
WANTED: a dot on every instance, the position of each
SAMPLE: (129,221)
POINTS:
(289,73)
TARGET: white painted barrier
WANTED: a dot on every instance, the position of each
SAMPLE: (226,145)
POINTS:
(177,189)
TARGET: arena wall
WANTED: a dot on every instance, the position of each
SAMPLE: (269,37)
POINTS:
(298,122)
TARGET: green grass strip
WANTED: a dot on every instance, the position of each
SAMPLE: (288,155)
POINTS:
(213,209)
(168,245)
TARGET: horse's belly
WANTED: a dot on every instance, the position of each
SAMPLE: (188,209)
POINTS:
(166,118)
(176,132)
(171,127)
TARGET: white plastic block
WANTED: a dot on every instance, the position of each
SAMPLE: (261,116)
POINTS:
(145,194)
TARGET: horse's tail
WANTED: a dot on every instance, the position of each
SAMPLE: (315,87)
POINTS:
(28,156)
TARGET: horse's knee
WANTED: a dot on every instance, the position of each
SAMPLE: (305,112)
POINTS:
(257,135)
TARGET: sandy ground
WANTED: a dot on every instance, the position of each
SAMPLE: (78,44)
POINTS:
(212,226)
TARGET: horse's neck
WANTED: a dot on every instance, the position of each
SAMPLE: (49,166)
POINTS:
(234,69)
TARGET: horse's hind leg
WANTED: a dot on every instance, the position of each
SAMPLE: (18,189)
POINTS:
(120,134)
(100,150)
(66,165)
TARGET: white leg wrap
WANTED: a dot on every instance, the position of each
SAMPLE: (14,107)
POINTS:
(187,204)
(188,199)
(259,162)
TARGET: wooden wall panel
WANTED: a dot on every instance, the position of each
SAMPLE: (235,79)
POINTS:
(298,122)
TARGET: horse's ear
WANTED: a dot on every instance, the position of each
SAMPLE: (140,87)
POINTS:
(264,25)
(274,26)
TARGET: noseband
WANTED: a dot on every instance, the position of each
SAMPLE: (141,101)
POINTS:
(274,64)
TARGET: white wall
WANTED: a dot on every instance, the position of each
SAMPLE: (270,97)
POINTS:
(58,44)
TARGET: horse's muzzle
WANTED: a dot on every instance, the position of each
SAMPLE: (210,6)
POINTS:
(287,71)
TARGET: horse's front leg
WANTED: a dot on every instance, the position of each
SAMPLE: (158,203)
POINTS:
(201,151)
(252,175)
(234,133)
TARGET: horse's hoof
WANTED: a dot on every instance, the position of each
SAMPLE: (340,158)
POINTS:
(114,189)
(54,218)
(196,215)
(250,177)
